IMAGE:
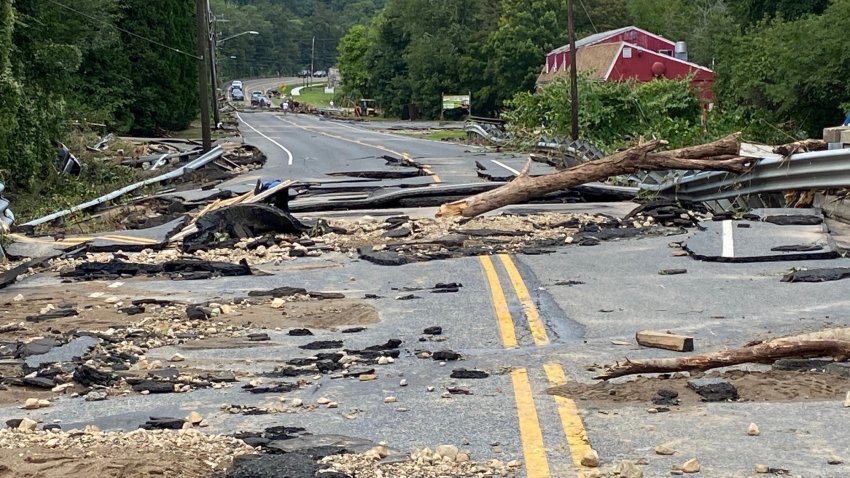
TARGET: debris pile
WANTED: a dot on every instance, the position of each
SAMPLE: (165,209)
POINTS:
(446,460)
(187,453)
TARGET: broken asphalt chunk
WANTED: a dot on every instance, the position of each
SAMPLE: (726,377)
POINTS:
(53,314)
(436,330)
(279,292)
(198,313)
(818,275)
(408,297)
(798,248)
(262,337)
(241,221)
(353,330)
(322,345)
(282,387)
(134,310)
(795,220)
(382,258)
(390,345)
(299,332)
(163,423)
(445,355)
(468,374)
(88,376)
(666,397)
(713,389)
(154,386)
(672,272)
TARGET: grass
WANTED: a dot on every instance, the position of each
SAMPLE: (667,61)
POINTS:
(101,174)
(436,135)
(315,96)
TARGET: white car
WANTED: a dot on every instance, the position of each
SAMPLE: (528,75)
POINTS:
(236,84)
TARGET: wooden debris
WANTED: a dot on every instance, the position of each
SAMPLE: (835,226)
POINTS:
(665,340)
(766,352)
(721,155)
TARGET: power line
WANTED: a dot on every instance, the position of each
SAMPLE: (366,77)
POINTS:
(110,24)
(588,15)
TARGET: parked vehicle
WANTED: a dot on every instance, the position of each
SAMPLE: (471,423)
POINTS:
(320,74)
(237,95)
(255,98)
(236,84)
(304,73)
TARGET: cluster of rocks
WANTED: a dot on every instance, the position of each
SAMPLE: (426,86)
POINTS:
(217,450)
(445,460)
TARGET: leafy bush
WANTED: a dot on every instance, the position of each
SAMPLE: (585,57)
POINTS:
(612,114)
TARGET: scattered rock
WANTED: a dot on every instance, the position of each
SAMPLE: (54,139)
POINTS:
(691,466)
(449,451)
(753,430)
(259,337)
(27,425)
(390,400)
(834,460)
(762,469)
(96,395)
(297,402)
(590,459)
(664,450)
(277,303)
(194,418)
(672,272)
(367,377)
(177,358)
(323,401)
(402,383)
(847,400)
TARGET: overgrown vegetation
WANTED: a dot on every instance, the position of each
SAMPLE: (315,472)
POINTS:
(782,65)
(613,113)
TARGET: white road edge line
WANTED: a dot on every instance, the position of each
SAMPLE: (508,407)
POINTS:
(506,167)
(728,240)
(288,152)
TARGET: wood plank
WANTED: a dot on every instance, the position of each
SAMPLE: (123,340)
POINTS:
(665,340)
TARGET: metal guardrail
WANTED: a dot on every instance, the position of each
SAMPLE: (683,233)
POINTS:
(492,132)
(772,174)
(212,155)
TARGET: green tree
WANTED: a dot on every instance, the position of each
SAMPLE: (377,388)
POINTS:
(353,48)
(750,12)
(163,96)
(790,75)
(516,50)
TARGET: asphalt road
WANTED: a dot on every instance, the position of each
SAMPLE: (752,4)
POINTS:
(305,147)
(517,319)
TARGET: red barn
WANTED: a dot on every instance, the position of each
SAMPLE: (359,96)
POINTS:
(628,53)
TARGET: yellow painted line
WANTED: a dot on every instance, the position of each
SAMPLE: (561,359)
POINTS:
(536,464)
(128,239)
(506,324)
(570,419)
(538,331)
(434,177)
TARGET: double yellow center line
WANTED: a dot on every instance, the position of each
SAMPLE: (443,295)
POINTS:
(531,435)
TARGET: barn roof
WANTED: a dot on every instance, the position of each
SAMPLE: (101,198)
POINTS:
(594,60)
(598,37)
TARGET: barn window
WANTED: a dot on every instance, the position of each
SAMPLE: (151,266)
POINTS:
(666,52)
(627,52)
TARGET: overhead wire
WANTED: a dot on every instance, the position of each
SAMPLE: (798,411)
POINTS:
(128,32)
(588,16)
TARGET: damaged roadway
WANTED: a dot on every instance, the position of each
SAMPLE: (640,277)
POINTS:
(563,300)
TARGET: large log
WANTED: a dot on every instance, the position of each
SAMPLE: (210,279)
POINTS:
(765,352)
(721,155)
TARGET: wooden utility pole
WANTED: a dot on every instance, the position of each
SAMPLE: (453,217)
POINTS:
(573,72)
(203,38)
(213,69)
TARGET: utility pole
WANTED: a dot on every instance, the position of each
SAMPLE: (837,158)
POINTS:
(203,36)
(573,72)
(312,58)
(214,70)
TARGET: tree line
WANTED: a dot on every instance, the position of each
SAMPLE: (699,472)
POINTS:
(131,65)
(781,64)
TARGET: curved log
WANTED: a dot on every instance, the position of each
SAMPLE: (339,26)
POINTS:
(765,352)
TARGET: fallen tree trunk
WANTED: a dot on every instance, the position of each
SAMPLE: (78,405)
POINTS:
(803,146)
(765,352)
(721,155)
